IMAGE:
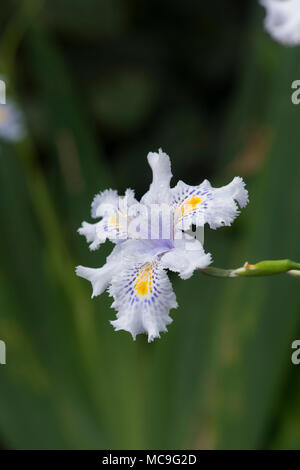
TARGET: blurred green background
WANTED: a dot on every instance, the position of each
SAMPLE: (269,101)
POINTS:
(101,83)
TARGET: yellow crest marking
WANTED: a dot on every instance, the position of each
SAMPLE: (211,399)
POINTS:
(143,283)
(113,222)
(117,220)
(190,205)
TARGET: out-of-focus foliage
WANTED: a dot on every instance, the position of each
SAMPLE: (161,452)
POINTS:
(101,83)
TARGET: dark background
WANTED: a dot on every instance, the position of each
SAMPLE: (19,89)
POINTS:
(101,83)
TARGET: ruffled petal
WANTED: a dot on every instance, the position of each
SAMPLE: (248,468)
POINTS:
(100,278)
(105,203)
(94,234)
(186,256)
(283,20)
(143,297)
(117,261)
(159,190)
(117,213)
(204,204)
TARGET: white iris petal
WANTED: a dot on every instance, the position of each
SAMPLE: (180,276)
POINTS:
(204,204)
(186,256)
(116,212)
(143,297)
(283,20)
(159,190)
(11,122)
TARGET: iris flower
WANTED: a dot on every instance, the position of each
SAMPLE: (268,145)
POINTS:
(11,122)
(283,20)
(151,237)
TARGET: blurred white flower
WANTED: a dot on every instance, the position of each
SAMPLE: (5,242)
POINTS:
(283,20)
(11,122)
(152,236)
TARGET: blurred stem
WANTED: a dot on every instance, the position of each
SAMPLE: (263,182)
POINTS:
(14,32)
(217,272)
(57,249)
(57,252)
(59,257)
(263,268)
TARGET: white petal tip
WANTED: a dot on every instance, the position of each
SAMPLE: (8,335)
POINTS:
(282,20)
(104,201)
(79,270)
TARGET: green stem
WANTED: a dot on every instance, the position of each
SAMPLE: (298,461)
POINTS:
(263,268)
(217,272)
